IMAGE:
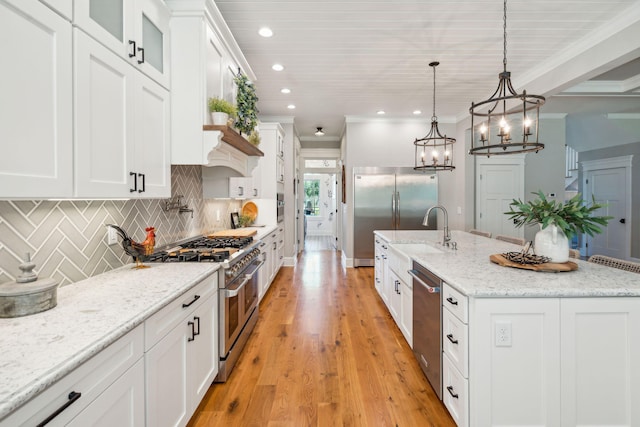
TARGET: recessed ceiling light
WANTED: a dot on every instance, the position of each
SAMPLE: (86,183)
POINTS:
(417,112)
(265,32)
(291,107)
(381,112)
(277,67)
(285,90)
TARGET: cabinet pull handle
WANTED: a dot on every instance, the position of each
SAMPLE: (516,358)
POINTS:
(73,396)
(133,50)
(144,185)
(450,336)
(195,298)
(141,50)
(197,319)
(135,182)
(255,192)
(450,390)
(240,191)
(452,301)
(193,331)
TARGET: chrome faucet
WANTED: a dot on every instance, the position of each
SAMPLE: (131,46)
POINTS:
(447,235)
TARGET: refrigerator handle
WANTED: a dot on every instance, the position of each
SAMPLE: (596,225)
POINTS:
(397,210)
(393,210)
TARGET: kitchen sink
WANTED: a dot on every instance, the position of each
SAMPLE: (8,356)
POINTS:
(416,248)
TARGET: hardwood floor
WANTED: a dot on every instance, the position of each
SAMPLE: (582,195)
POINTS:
(325,352)
(319,243)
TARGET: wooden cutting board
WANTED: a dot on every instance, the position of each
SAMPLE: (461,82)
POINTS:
(551,267)
(238,232)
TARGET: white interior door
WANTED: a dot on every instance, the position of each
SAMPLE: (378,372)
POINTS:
(608,183)
(498,182)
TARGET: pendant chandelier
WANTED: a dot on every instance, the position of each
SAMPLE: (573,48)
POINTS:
(507,122)
(434,151)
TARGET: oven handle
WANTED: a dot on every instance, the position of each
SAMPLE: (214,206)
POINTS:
(431,289)
(230,293)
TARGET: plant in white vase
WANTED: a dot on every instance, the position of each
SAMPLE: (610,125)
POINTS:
(221,110)
(558,222)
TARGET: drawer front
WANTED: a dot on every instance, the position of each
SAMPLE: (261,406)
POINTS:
(401,264)
(161,323)
(455,392)
(455,302)
(455,341)
(90,379)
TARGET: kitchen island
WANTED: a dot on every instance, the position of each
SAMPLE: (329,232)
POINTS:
(532,348)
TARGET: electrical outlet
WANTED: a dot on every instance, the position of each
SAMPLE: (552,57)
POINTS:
(503,333)
(112,236)
(218,215)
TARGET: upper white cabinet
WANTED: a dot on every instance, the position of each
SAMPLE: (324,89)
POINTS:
(271,169)
(122,127)
(63,7)
(136,30)
(36,109)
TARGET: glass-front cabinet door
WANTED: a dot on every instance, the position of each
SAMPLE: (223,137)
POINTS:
(136,30)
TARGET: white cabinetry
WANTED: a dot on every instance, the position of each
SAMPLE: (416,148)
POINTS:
(36,114)
(182,364)
(121,127)
(136,30)
(548,361)
(279,248)
(105,390)
(455,348)
(400,291)
(599,348)
(272,251)
(244,187)
(271,170)
(265,271)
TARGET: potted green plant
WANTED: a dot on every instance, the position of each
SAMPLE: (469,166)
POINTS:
(246,99)
(559,221)
(221,110)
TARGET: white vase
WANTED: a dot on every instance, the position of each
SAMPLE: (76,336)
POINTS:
(219,119)
(552,243)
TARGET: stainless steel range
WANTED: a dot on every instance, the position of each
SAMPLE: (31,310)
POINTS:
(238,283)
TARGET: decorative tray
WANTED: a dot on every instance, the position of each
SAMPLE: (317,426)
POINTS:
(549,267)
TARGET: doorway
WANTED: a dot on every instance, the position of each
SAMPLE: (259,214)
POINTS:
(609,182)
(320,211)
(498,182)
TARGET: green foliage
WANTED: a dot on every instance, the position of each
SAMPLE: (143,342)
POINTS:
(572,217)
(221,106)
(254,138)
(244,220)
(246,99)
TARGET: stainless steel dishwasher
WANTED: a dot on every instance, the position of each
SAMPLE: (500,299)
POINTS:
(427,324)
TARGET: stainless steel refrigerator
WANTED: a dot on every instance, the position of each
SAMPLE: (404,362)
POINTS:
(388,199)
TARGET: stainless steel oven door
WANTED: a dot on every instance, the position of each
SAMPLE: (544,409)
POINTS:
(237,302)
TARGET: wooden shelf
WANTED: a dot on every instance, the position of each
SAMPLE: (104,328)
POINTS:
(234,139)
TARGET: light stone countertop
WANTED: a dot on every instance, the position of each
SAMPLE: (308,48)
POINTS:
(38,350)
(469,270)
(263,232)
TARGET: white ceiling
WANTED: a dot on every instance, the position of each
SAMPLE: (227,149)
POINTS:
(351,58)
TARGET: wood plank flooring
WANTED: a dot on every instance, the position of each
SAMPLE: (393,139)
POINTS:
(325,352)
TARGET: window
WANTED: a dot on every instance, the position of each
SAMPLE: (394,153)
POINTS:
(311,197)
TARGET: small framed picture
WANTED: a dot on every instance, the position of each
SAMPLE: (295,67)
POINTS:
(235,220)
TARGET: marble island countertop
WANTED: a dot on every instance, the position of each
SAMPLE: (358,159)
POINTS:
(469,270)
(38,350)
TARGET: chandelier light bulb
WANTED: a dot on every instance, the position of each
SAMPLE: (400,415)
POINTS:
(503,122)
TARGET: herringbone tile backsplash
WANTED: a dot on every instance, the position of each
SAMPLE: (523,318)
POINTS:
(67,239)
